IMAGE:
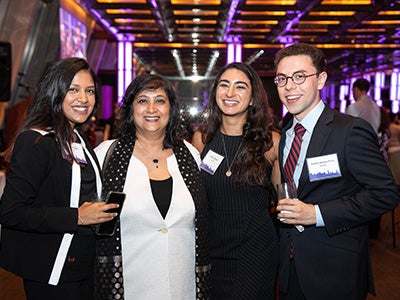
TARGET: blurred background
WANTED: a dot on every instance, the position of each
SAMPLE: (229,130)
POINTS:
(188,41)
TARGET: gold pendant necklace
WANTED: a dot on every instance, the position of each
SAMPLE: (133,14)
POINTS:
(228,173)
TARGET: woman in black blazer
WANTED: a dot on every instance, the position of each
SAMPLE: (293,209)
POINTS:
(46,216)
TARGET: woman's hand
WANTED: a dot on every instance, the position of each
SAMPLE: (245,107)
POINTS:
(90,213)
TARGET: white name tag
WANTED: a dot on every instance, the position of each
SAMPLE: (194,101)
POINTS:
(211,162)
(323,167)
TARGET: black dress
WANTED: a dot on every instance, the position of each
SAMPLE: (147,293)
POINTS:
(243,238)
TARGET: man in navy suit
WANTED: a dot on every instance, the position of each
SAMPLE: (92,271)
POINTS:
(342,182)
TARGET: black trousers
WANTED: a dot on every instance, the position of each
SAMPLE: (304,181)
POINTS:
(77,290)
(294,290)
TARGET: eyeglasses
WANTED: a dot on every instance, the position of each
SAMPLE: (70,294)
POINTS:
(297,78)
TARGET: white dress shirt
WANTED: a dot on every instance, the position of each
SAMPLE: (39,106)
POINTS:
(309,122)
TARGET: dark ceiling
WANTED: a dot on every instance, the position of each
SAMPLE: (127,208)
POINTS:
(356,35)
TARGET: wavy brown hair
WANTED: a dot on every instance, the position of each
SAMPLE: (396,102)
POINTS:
(253,168)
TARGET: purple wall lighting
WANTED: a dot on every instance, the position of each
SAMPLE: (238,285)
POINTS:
(124,67)
(379,84)
(107,101)
(395,90)
(343,92)
(234,52)
(238,52)
(231,53)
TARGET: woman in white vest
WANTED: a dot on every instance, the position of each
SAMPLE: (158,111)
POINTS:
(46,214)
(160,247)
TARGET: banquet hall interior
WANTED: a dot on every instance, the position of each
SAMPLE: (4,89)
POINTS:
(188,42)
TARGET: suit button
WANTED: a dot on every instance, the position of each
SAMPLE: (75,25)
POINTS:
(164,230)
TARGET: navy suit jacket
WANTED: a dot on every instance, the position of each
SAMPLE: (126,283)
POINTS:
(333,262)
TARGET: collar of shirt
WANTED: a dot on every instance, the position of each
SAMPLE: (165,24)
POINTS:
(310,119)
(309,122)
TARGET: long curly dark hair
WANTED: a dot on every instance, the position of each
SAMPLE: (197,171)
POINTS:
(251,163)
(45,111)
(174,131)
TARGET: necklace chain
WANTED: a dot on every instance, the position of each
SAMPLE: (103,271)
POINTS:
(228,173)
(154,158)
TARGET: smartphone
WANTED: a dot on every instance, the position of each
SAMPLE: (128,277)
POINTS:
(108,228)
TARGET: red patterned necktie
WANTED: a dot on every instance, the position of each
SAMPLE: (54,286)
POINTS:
(294,152)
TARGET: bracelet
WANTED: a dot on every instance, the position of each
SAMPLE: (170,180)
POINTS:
(79,218)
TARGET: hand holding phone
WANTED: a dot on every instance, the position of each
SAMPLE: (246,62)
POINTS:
(108,228)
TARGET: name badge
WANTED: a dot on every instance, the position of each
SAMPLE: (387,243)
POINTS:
(323,167)
(78,152)
(211,162)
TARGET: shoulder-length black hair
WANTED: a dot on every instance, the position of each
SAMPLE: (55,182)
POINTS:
(45,111)
(251,163)
(174,130)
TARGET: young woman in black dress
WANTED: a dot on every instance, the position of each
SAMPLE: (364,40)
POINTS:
(240,167)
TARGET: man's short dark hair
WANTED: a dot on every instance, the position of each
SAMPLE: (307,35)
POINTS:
(362,84)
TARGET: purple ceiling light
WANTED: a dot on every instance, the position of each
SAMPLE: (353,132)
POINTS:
(231,14)
(112,30)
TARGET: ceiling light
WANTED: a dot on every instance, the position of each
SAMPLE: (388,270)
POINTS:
(346,2)
(263,13)
(193,111)
(332,13)
(271,2)
(257,22)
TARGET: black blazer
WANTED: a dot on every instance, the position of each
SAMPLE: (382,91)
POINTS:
(333,262)
(35,211)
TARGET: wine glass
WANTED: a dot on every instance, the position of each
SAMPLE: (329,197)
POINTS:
(288,190)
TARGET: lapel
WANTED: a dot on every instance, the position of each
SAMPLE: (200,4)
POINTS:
(318,140)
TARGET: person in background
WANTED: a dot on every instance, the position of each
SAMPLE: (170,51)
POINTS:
(160,247)
(374,226)
(275,119)
(342,181)
(384,133)
(394,147)
(112,123)
(187,126)
(364,107)
(46,211)
(239,153)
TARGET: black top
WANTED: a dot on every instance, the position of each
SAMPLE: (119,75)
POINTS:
(82,245)
(243,239)
(162,193)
